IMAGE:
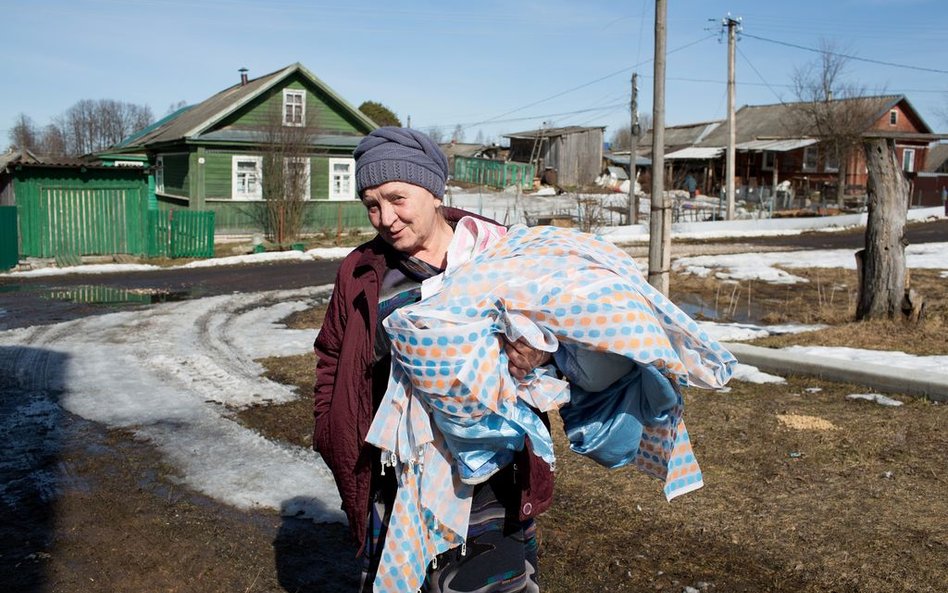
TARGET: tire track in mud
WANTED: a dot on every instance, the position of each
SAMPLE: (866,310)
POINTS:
(172,374)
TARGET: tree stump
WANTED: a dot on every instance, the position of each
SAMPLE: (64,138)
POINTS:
(882,278)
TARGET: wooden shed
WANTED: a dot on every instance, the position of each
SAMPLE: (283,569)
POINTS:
(568,156)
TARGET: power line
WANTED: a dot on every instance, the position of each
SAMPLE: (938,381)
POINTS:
(847,56)
(584,85)
(530,117)
(759,75)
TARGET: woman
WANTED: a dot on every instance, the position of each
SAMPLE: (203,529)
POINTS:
(400,178)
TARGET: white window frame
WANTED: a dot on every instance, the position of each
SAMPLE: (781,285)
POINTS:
(767,160)
(307,163)
(807,150)
(290,119)
(336,195)
(893,117)
(908,160)
(160,174)
(236,194)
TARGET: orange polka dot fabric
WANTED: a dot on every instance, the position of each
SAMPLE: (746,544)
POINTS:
(453,414)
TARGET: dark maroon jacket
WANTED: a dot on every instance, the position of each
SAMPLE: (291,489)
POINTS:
(343,396)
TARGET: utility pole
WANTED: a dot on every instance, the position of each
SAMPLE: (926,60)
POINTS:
(633,149)
(733,25)
(659,242)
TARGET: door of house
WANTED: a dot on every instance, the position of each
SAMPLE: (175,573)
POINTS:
(9,241)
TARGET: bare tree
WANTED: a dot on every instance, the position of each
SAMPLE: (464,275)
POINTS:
(177,105)
(23,134)
(458,134)
(88,126)
(840,115)
(436,134)
(621,138)
(942,110)
(93,125)
(53,140)
(286,176)
(832,109)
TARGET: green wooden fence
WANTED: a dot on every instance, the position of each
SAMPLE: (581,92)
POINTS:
(68,212)
(9,241)
(70,221)
(180,233)
(497,174)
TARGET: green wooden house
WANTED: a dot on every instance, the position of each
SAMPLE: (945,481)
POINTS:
(209,156)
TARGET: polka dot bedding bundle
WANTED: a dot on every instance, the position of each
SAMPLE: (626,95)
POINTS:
(453,415)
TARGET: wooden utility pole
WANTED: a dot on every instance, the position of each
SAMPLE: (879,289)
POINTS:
(633,149)
(732,26)
(659,241)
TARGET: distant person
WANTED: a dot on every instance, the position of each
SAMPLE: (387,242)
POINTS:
(691,184)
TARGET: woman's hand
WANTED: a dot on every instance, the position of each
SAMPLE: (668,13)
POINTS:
(524,358)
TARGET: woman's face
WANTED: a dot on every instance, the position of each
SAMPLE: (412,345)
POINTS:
(405,215)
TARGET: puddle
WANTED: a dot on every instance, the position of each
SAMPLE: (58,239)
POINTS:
(697,308)
(108,295)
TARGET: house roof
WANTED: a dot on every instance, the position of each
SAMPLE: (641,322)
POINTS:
(17,156)
(695,153)
(467,149)
(623,159)
(196,121)
(784,145)
(683,135)
(936,158)
(26,157)
(783,120)
(552,132)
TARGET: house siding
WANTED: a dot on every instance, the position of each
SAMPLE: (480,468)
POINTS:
(319,216)
(319,178)
(320,111)
(905,122)
(218,175)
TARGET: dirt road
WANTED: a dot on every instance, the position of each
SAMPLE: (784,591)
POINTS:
(124,421)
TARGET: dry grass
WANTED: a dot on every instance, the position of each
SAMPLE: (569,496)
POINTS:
(805,491)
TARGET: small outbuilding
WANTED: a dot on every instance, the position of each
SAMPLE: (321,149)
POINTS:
(567,156)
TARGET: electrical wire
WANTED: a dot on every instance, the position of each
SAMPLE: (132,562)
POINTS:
(759,75)
(847,56)
(584,85)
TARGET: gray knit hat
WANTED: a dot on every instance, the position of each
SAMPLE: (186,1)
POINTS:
(400,154)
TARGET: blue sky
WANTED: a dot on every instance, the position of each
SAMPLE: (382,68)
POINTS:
(493,66)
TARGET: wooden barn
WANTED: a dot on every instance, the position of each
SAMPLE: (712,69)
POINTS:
(569,157)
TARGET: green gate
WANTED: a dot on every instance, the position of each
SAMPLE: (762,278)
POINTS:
(67,213)
(180,233)
(9,241)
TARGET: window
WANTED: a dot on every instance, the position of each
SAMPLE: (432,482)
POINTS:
(294,107)
(908,160)
(810,158)
(341,181)
(160,174)
(893,117)
(770,157)
(296,171)
(247,175)
(831,161)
